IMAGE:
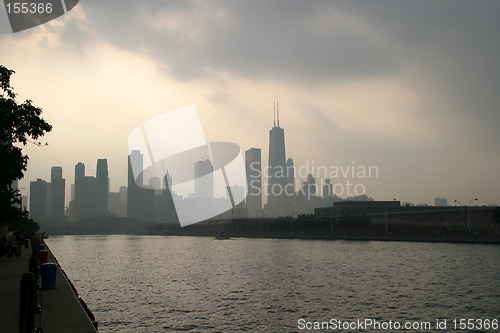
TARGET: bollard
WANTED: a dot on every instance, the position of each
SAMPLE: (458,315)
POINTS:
(48,273)
(35,252)
(34,248)
(27,304)
(43,256)
(33,266)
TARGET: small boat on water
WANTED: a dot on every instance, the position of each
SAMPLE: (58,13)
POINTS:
(221,235)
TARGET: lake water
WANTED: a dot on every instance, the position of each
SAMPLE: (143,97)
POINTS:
(199,284)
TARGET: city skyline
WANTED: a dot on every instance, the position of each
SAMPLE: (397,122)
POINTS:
(146,197)
(382,84)
(316,178)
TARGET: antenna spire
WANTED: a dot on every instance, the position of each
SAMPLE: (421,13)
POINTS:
(278,111)
(274,113)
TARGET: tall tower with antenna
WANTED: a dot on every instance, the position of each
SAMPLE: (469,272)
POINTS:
(277,178)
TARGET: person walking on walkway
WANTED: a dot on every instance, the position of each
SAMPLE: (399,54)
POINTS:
(12,244)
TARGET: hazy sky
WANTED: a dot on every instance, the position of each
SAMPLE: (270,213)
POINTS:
(411,87)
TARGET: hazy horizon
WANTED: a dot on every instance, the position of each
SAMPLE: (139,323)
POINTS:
(407,87)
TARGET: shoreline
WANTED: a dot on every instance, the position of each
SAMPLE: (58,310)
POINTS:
(84,306)
(359,237)
(390,237)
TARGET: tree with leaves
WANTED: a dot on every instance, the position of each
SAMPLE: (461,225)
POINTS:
(19,124)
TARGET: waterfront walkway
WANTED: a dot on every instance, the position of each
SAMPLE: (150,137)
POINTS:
(61,310)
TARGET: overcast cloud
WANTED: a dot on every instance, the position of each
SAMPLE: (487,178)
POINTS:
(411,86)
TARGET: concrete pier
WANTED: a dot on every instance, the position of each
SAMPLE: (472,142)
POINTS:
(61,310)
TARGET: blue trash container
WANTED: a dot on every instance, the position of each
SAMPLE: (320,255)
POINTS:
(41,247)
(48,272)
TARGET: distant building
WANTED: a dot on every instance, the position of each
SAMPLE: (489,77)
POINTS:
(116,206)
(236,191)
(254,181)
(277,175)
(155,183)
(79,171)
(38,200)
(47,199)
(440,202)
(117,202)
(306,198)
(91,193)
(123,194)
(57,193)
(167,181)
(327,189)
(348,207)
(102,186)
(308,187)
(165,209)
(135,162)
(290,175)
(140,200)
(203,179)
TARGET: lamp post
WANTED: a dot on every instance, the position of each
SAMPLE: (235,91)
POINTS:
(461,211)
(468,214)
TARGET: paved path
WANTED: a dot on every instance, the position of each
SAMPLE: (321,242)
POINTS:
(62,311)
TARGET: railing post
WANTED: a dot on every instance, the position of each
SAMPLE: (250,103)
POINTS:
(27,304)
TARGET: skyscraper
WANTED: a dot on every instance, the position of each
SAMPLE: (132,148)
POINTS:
(38,200)
(102,169)
(140,201)
(57,193)
(277,178)
(203,179)
(441,202)
(102,185)
(166,209)
(290,174)
(135,162)
(78,205)
(327,189)
(79,171)
(309,186)
(254,181)
(91,193)
(55,172)
(155,183)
